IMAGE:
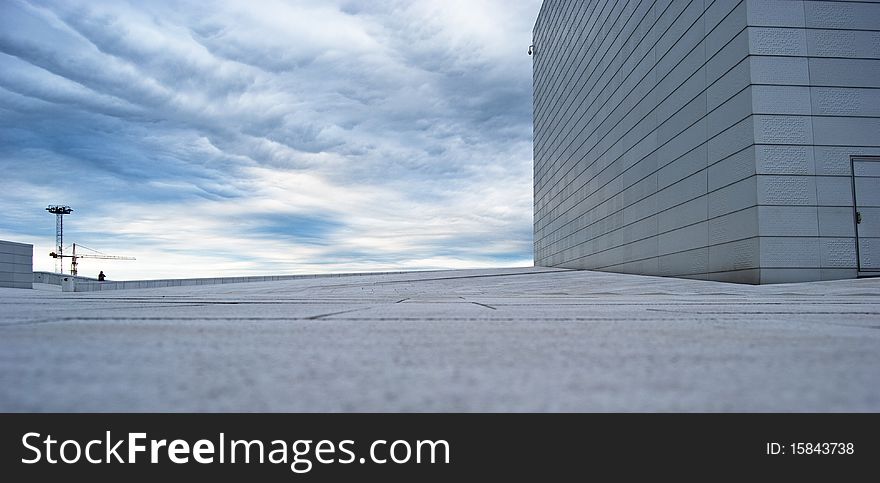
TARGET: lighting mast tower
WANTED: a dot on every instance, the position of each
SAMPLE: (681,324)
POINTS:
(59,211)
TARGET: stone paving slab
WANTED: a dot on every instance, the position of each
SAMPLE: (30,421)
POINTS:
(530,339)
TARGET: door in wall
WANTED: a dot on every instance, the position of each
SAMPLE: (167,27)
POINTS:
(866,193)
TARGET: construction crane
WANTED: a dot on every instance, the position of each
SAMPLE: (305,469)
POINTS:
(74,257)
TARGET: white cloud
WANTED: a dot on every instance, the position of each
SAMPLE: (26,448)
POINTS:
(270,136)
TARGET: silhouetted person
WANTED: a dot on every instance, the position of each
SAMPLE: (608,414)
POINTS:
(101,276)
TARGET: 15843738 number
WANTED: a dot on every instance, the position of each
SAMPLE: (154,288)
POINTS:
(821,448)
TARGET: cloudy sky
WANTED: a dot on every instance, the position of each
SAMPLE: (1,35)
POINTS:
(251,137)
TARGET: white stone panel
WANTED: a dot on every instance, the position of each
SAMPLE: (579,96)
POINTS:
(681,168)
(866,167)
(789,252)
(740,195)
(788,221)
(780,70)
(736,138)
(777,41)
(836,221)
(786,190)
(867,191)
(838,252)
(738,255)
(843,43)
(690,212)
(781,100)
(736,108)
(729,56)
(782,159)
(842,15)
(852,131)
(836,160)
(869,253)
(844,72)
(789,275)
(775,13)
(733,81)
(870,225)
(834,190)
(731,169)
(687,238)
(683,263)
(734,226)
(783,129)
(726,29)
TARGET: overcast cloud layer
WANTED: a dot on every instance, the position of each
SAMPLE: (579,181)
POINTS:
(269,137)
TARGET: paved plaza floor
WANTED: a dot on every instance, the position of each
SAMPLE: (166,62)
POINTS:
(529,339)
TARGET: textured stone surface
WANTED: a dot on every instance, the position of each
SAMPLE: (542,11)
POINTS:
(16,265)
(491,340)
(644,108)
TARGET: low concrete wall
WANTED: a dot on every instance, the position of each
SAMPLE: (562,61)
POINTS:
(16,265)
(189,282)
(53,278)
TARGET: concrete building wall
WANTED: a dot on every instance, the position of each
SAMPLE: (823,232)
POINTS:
(677,137)
(52,278)
(815,87)
(16,265)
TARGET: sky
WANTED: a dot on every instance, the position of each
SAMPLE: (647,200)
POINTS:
(268,137)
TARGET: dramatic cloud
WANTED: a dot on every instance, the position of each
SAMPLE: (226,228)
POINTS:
(219,138)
